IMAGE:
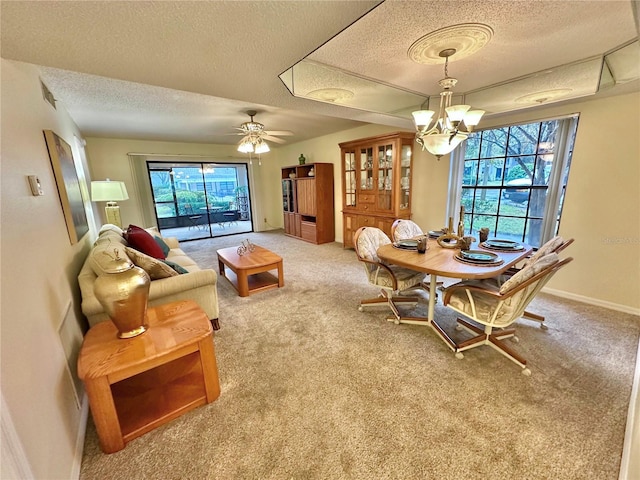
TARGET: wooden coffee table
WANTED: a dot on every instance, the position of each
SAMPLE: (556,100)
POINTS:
(249,273)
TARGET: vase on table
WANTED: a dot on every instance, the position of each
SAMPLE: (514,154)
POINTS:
(123,292)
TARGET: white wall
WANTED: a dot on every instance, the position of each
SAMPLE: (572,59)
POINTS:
(39,269)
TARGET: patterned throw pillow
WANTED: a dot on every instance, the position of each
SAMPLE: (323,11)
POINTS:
(142,241)
(156,269)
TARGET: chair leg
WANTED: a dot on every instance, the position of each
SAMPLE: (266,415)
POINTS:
(493,339)
(536,318)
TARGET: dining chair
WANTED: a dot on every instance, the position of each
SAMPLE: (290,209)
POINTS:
(391,279)
(488,309)
(554,245)
(402,229)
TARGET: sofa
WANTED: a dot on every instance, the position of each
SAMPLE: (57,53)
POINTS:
(176,277)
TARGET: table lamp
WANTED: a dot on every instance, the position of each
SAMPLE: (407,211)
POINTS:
(110,192)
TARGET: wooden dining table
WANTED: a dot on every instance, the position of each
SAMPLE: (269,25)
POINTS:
(440,261)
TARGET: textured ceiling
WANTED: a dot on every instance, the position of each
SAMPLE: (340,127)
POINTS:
(189,71)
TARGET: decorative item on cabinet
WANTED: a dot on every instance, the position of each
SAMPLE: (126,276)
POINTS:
(307,200)
(301,159)
(376,182)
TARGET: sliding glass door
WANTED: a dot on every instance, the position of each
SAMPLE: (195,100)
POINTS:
(200,200)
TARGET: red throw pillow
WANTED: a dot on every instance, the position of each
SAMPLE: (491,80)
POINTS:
(142,241)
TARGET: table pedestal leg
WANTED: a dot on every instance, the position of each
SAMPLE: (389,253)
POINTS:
(433,285)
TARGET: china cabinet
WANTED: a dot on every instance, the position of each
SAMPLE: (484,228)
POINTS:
(376,182)
(307,202)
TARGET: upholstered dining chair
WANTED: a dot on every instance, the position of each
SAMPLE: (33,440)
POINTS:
(488,309)
(390,278)
(554,245)
(402,229)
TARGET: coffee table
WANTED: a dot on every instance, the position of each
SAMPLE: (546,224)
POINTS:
(249,273)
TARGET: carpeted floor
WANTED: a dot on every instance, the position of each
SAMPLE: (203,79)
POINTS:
(314,389)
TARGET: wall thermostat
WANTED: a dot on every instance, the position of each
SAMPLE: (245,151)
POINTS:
(34,183)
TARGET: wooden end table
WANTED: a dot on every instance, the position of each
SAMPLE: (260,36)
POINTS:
(135,385)
(249,273)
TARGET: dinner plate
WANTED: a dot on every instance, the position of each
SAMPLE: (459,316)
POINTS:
(496,262)
(506,245)
(478,256)
(408,243)
(435,233)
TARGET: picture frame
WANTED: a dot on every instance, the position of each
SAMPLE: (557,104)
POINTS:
(64,170)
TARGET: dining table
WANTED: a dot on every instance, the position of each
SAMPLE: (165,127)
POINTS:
(438,261)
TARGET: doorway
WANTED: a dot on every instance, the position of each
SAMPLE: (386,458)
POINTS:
(193,201)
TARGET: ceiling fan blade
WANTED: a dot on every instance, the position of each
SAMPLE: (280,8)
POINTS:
(278,132)
(273,139)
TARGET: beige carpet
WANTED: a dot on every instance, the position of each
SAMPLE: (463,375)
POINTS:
(314,389)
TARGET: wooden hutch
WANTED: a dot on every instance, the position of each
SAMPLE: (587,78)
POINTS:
(307,202)
(376,182)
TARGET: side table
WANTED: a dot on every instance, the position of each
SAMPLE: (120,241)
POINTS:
(135,385)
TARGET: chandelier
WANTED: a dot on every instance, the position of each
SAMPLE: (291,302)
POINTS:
(453,124)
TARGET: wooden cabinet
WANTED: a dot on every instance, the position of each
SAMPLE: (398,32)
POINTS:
(307,202)
(376,182)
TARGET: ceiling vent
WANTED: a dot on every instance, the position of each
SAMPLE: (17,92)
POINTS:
(47,95)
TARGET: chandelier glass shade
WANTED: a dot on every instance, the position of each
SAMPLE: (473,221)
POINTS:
(453,123)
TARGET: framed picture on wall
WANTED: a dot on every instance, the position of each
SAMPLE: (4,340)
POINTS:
(64,170)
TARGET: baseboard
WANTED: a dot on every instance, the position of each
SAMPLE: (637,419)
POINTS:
(592,301)
(630,465)
(77,458)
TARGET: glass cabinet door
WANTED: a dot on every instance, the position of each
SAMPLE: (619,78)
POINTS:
(405,177)
(350,179)
(366,169)
(384,165)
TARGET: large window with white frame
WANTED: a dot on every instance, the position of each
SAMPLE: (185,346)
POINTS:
(512,179)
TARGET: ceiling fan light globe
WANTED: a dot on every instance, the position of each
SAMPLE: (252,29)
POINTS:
(262,147)
(245,147)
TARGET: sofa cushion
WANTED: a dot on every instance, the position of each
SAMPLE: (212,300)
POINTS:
(155,268)
(142,241)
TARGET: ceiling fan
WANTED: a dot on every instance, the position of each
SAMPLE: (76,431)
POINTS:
(254,136)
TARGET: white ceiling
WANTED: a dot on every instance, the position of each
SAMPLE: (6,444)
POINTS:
(189,71)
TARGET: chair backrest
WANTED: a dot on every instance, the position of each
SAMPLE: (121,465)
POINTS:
(556,244)
(366,241)
(404,229)
(520,290)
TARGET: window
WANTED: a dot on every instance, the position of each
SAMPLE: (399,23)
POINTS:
(512,179)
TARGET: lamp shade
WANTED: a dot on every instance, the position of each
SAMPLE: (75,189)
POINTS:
(108,191)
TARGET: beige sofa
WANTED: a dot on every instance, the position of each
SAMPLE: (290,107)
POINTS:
(198,284)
